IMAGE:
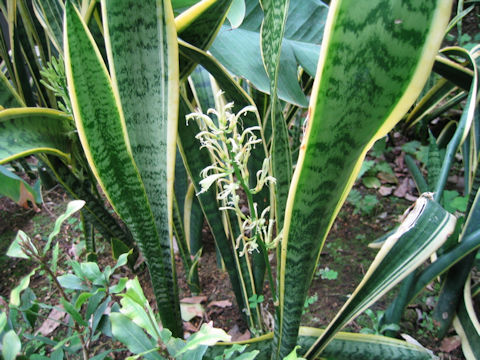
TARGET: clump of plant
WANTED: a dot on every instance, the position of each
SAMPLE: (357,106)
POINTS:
(80,298)
(377,326)
(85,308)
(362,204)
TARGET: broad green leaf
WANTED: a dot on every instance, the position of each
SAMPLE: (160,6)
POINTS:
(3,321)
(122,261)
(139,316)
(70,309)
(72,207)
(17,291)
(72,282)
(15,250)
(26,131)
(391,57)
(236,14)
(119,287)
(82,298)
(102,130)
(11,345)
(424,229)
(135,292)
(301,46)
(135,305)
(92,273)
(207,335)
(130,334)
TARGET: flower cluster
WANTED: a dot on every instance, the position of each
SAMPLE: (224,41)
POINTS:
(230,146)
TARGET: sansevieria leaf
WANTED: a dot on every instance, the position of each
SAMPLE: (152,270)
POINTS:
(142,50)
(50,15)
(102,131)
(467,325)
(198,26)
(375,59)
(425,228)
(26,131)
(345,345)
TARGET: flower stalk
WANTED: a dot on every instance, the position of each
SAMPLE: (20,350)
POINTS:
(230,146)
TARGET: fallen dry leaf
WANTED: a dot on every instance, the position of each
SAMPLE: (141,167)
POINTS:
(194,300)
(52,322)
(237,335)
(451,343)
(387,178)
(188,326)
(189,311)
(385,191)
(220,303)
(411,197)
(401,189)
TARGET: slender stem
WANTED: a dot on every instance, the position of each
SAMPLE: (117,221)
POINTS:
(253,215)
(76,326)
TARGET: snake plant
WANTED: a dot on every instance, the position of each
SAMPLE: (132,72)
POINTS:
(132,76)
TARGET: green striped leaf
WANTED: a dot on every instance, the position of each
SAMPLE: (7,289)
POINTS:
(143,57)
(466,324)
(193,220)
(272,31)
(201,86)
(50,15)
(345,345)
(457,74)
(181,241)
(26,131)
(441,90)
(465,122)
(198,26)
(102,131)
(425,228)
(387,63)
